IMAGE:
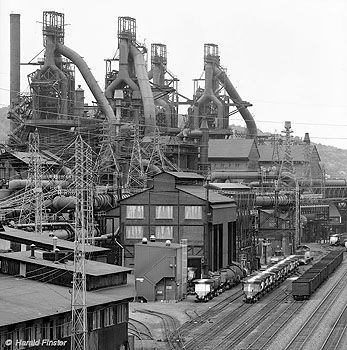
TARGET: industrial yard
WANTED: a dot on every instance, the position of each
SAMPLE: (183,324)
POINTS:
(145,219)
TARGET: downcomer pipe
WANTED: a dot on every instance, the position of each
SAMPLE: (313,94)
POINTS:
(14,56)
(145,88)
(123,74)
(90,80)
(209,96)
(246,115)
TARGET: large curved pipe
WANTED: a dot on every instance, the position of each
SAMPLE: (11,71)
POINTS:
(123,74)
(245,113)
(50,63)
(145,88)
(90,80)
(209,96)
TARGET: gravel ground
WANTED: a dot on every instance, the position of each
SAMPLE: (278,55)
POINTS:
(178,309)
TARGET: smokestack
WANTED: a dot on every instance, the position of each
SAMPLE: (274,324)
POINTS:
(307,138)
(56,255)
(32,250)
(14,56)
(55,240)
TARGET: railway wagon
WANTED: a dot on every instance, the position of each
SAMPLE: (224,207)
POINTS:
(217,282)
(254,287)
(311,280)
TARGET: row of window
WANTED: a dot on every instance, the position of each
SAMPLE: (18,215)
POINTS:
(161,232)
(191,212)
(61,327)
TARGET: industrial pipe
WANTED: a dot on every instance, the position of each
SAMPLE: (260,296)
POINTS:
(209,95)
(50,64)
(246,115)
(145,88)
(226,175)
(14,57)
(90,80)
(123,74)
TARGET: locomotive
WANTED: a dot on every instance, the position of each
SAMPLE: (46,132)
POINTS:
(254,287)
(217,282)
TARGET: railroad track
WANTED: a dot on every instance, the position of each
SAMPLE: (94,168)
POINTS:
(263,339)
(225,333)
(307,329)
(187,327)
(336,335)
(173,337)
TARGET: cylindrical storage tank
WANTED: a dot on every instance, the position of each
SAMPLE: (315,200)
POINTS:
(60,233)
(63,203)
(102,201)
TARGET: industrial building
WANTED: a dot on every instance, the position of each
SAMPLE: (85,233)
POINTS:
(103,177)
(177,206)
(36,302)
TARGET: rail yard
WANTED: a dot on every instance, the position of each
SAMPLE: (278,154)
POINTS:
(128,224)
(277,321)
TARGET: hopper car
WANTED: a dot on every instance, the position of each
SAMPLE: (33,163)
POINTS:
(254,287)
(311,279)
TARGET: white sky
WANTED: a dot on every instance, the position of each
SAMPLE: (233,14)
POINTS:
(288,58)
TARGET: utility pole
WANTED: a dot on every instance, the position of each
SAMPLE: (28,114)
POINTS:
(297,237)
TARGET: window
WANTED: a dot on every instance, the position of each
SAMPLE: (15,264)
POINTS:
(193,212)
(164,212)
(164,232)
(96,319)
(134,212)
(121,313)
(108,317)
(133,232)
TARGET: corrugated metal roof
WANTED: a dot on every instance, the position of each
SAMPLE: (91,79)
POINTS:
(228,186)
(229,148)
(184,175)
(200,192)
(23,299)
(94,268)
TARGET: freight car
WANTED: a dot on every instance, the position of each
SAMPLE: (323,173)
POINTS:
(254,287)
(311,279)
(217,282)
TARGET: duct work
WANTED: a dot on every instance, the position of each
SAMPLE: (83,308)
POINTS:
(131,59)
(214,75)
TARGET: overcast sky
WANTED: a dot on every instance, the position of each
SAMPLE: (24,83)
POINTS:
(288,58)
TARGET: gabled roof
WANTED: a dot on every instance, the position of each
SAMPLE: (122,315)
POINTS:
(230,148)
(201,192)
(266,152)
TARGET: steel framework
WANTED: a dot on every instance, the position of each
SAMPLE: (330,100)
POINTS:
(83,231)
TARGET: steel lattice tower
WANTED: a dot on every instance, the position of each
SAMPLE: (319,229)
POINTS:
(136,175)
(33,188)
(286,175)
(157,156)
(83,230)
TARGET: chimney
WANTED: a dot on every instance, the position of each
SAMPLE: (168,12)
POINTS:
(56,255)
(55,241)
(32,251)
(307,138)
(14,56)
